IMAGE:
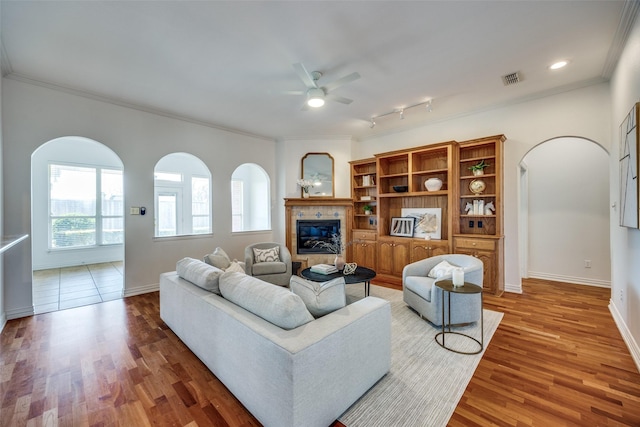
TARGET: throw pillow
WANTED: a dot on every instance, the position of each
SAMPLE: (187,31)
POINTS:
(235,266)
(266,255)
(218,258)
(320,297)
(274,304)
(443,268)
(200,274)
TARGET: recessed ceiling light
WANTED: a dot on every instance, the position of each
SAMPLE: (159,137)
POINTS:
(558,65)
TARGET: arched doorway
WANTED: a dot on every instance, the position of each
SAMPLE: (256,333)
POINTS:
(564,212)
(77,224)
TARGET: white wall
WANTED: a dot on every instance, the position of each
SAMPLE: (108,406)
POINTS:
(582,113)
(70,149)
(625,242)
(34,114)
(3,316)
(568,215)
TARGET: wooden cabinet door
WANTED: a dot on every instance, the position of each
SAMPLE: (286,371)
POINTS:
(385,257)
(364,254)
(393,255)
(488,261)
(401,257)
(427,249)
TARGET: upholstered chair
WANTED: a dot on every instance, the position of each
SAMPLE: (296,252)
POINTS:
(421,294)
(262,263)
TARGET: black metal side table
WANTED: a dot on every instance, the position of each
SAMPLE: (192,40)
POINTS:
(468,288)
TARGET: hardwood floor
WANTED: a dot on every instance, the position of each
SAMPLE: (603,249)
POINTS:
(556,359)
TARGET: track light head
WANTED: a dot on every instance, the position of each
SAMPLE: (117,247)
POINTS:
(373,124)
(429,106)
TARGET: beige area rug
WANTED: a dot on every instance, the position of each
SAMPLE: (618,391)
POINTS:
(426,381)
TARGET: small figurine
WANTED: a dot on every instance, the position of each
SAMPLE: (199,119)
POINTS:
(489,208)
(469,208)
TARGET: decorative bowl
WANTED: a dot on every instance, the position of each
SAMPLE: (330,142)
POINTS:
(400,188)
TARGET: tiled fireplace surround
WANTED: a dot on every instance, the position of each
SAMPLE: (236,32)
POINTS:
(317,209)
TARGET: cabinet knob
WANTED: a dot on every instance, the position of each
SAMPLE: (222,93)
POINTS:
(473,243)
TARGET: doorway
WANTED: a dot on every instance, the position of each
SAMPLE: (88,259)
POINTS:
(77,224)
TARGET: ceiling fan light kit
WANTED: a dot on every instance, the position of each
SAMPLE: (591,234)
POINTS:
(316,94)
(315,98)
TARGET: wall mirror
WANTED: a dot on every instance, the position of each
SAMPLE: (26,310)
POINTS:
(318,169)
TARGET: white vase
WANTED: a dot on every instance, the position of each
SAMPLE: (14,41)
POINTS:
(305,194)
(339,262)
(433,184)
(478,172)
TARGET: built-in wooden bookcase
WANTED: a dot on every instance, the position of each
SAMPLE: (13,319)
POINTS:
(478,231)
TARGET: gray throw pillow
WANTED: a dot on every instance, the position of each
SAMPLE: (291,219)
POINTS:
(218,258)
(320,297)
(273,303)
(266,255)
(200,274)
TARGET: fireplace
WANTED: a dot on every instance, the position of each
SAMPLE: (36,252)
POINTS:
(309,232)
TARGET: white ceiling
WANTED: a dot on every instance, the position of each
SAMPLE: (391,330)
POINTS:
(226,63)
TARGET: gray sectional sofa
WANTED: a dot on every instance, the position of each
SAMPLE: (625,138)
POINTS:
(304,376)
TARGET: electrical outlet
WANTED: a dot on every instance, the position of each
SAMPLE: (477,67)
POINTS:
(621,295)
(134,211)
(470,224)
(479,224)
(587,263)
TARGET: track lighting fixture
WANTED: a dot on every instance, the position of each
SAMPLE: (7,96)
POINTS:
(428,105)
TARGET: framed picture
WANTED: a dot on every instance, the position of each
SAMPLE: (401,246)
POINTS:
(629,191)
(427,222)
(402,227)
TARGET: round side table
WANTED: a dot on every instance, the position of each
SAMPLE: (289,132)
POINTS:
(468,288)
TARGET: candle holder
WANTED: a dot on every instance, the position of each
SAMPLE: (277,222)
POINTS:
(458,277)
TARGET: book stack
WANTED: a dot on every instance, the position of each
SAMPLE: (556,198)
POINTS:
(324,269)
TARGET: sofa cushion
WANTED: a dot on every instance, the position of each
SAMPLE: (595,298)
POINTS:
(218,258)
(273,303)
(444,268)
(266,255)
(235,266)
(320,297)
(263,268)
(199,273)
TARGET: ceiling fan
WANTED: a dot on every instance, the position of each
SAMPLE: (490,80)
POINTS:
(316,94)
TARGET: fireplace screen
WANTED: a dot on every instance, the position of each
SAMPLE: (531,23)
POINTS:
(311,231)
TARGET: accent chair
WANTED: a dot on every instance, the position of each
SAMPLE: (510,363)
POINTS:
(261,262)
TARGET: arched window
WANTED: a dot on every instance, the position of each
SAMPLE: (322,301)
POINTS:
(182,194)
(250,199)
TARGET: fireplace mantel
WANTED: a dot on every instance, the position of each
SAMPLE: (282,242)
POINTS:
(316,207)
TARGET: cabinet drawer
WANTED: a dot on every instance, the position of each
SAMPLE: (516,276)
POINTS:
(363,235)
(480,244)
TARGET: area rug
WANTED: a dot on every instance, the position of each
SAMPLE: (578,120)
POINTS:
(426,381)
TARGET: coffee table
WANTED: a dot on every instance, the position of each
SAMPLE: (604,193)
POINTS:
(467,288)
(362,274)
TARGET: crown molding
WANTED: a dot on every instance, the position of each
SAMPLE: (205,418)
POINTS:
(121,103)
(627,20)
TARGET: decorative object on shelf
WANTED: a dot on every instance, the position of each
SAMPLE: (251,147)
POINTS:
(367,181)
(305,186)
(477,186)
(428,222)
(366,198)
(402,227)
(468,208)
(318,169)
(458,276)
(433,184)
(349,268)
(400,188)
(339,262)
(367,209)
(478,168)
(489,208)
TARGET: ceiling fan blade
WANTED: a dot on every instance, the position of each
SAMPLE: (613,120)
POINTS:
(341,81)
(304,75)
(305,107)
(339,99)
(293,92)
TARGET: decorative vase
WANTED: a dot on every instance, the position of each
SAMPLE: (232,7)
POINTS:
(433,184)
(367,212)
(305,194)
(339,262)
(478,172)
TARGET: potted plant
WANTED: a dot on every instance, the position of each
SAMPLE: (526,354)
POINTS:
(478,168)
(367,209)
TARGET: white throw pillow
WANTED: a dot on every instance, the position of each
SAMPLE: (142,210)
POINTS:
(274,304)
(200,274)
(266,255)
(235,266)
(320,297)
(218,258)
(442,269)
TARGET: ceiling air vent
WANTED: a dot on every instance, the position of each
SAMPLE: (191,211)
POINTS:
(511,79)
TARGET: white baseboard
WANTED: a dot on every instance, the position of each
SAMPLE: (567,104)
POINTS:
(20,312)
(3,322)
(570,279)
(139,290)
(626,334)
(514,289)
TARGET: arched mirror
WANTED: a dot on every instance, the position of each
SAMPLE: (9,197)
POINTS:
(318,169)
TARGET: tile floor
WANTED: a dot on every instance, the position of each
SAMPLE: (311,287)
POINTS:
(60,288)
